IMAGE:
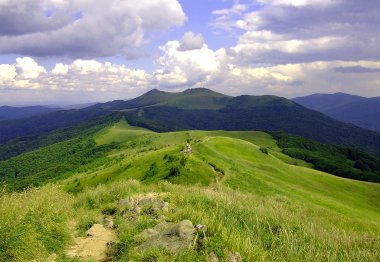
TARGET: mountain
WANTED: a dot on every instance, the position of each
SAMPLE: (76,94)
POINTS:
(115,192)
(198,98)
(208,110)
(361,111)
(43,124)
(78,106)
(8,112)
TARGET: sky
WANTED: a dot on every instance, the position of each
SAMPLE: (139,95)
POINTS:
(60,52)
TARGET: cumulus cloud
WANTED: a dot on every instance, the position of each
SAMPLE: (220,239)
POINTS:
(300,3)
(91,80)
(194,65)
(28,68)
(299,31)
(7,72)
(60,69)
(191,41)
(51,27)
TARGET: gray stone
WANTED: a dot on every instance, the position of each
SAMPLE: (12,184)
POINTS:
(184,229)
(125,202)
(165,206)
(108,223)
(150,200)
(234,257)
(174,238)
(212,257)
(136,210)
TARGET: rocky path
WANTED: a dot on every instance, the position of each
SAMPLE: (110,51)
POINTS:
(94,246)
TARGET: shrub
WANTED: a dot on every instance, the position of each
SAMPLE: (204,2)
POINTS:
(264,150)
(174,171)
(153,171)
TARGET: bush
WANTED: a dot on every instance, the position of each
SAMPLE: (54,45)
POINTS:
(153,171)
(174,171)
(264,150)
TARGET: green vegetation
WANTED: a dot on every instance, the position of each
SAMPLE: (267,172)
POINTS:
(337,160)
(34,224)
(250,197)
(25,144)
(60,153)
(119,132)
(199,98)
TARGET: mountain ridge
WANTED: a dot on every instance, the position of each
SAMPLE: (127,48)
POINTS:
(165,111)
(11,112)
(361,111)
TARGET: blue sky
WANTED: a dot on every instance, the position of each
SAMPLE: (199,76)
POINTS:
(76,51)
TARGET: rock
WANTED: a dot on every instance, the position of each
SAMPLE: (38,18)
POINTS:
(212,257)
(151,200)
(136,210)
(160,217)
(126,202)
(162,226)
(183,229)
(234,257)
(173,237)
(52,257)
(146,234)
(108,223)
(165,206)
(150,203)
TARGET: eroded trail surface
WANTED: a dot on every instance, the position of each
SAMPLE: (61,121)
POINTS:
(94,246)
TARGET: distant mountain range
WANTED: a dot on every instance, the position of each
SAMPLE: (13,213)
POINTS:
(9,112)
(203,109)
(361,111)
(12,112)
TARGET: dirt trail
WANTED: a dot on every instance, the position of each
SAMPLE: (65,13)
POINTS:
(94,246)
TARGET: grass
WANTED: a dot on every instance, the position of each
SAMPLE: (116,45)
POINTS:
(266,206)
(119,132)
(34,224)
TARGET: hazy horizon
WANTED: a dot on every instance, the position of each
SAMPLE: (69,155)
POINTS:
(69,104)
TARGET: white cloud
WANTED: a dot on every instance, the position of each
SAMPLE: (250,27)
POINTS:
(84,80)
(7,72)
(191,41)
(225,19)
(86,66)
(300,3)
(28,68)
(60,69)
(80,28)
(299,31)
(195,65)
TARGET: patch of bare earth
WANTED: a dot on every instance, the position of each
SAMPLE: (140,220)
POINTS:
(95,245)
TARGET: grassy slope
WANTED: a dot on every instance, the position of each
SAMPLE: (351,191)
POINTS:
(264,207)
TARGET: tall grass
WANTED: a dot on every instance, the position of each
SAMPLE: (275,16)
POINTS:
(33,224)
(260,228)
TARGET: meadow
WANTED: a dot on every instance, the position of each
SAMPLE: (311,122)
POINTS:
(249,196)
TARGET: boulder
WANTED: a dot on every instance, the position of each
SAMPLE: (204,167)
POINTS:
(173,237)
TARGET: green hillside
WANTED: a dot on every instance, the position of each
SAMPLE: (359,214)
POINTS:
(198,98)
(250,198)
(204,109)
